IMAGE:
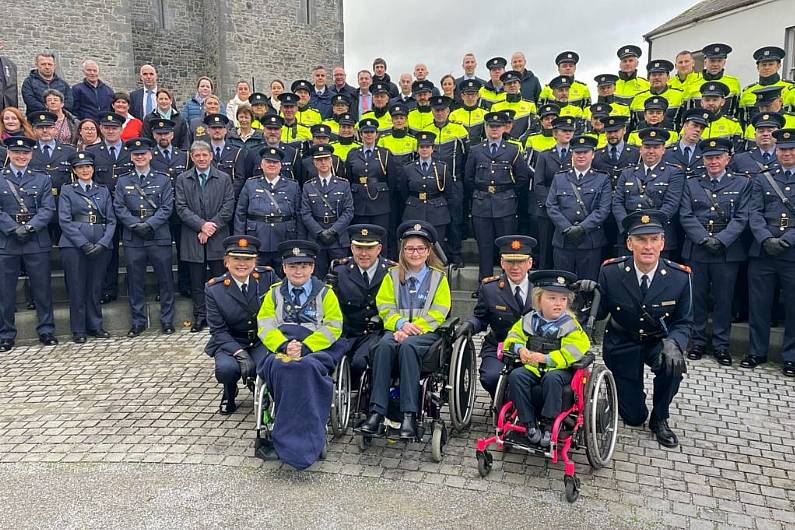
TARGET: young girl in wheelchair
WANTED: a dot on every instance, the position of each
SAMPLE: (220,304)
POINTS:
(547,340)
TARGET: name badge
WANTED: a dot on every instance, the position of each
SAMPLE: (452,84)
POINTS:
(668,302)
(129,187)
(500,308)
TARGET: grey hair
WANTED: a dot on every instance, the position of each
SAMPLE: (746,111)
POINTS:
(52,92)
(200,145)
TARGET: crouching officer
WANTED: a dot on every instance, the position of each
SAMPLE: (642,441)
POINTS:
(502,301)
(88,223)
(26,208)
(714,215)
(356,281)
(649,303)
(143,205)
(233,300)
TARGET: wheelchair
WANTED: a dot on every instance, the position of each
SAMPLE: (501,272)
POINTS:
(447,377)
(589,417)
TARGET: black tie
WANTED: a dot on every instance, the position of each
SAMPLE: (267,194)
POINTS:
(297,296)
(19,175)
(368,154)
(202,180)
(787,174)
(244,289)
(366,278)
(648,173)
(714,183)
(518,295)
(425,167)
(493,149)
(412,285)
(218,153)
(688,152)
(47,153)
(563,153)
(614,154)
(112,150)
(88,188)
(766,157)
(167,154)
(644,285)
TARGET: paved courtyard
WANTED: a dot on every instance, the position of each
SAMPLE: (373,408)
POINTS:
(124,433)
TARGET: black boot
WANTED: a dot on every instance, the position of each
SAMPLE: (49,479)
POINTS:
(372,424)
(408,430)
(228,405)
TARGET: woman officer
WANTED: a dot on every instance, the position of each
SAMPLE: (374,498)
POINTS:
(85,213)
(268,207)
(413,300)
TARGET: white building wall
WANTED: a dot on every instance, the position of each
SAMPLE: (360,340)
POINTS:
(745,30)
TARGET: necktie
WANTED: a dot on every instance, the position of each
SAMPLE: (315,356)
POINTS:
(365,105)
(218,153)
(412,285)
(149,102)
(425,167)
(493,149)
(563,153)
(366,277)
(323,185)
(648,172)
(167,155)
(644,285)
(787,173)
(19,175)
(141,178)
(202,180)
(46,149)
(88,188)
(614,154)
(714,183)
(244,289)
(518,295)
(766,157)
(297,296)
(368,154)
(688,153)
(112,151)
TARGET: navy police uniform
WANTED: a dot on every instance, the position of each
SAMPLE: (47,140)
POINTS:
(688,158)
(291,164)
(227,157)
(756,159)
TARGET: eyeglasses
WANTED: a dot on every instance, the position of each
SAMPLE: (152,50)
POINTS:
(415,250)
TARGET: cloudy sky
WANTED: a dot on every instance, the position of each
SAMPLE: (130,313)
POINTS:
(439,32)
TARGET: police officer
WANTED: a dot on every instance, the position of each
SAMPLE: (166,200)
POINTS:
(685,154)
(714,216)
(496,174)
(714,71)
(26,208)
(768,63)
(551,161)
(649,303)
(578,204)
(543,139)
(291,165)
(340,105)
(629,83)
(772,253)
(606,90)
(380,110)
(233,300)
(321,134)
(227,157)
(714,96)
(398,140)
(420,116)
(268,208)
(143,205)
(111,161)
(327,208)
(579,95)
(761,157)
(654,109)
(88,223)
(294,132)
(356,280)
(617,155)
(659,71)
(260,106)
(493,91)
(594,126)
(561,91)
(651,184)
(305,114)
(502,300)
(373,176)
(525,111)
(768,99)
(470,113)
(346,141)
(172,161)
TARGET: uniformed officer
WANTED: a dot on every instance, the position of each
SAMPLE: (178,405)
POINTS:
(544,139)
(272,125)
(714,99)
(471,113)
(327,208)
(654,115)
(143,205)
(714,70)
(373,176)
(304,113)
(617,155)
(525,111)
(551,161)
(606,90)
(340,106)
(227,157)
(493,90)
(111,161)
(233,300)
(346,141)
(26,208)
(502,300)
(651,184)
(421,116)
(425,187)
(496,174)
(659,72)
(685,154)
(293,131)
(649,303)
(629,83)
(268,208)
(578,204)
(321,134)
(768,63)
(260,106)
(579,95)
(88,223)
(561,90)
(768,99)
(772,252)
(380,110)
(400,142)
(762,156)
(356,280)
(714,216)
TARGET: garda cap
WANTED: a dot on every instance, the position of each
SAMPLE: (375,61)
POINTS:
(715,146)
(629,50)
(644,222)
(553,280)
(614,123)
(496,62)
(139,145)
(112,119)
(606,79)
(425,138)
(561,81)
(654,136)
(161,125)
(241,246)
(298,251)
(769,53)
(700,116)
(564,123)
(714,88)
(655,103)
(275,154)
(42,119)
(81,158)
(660,65)
(716,51)
(567,57)
(515,247)
(470,86)
(785,138)
(19,143)
(583,143)
(321,130)
(258,98)
(321,151)
(767,95)
(365,235)
(773,120)
(272,121)
(216,120)
(301,84)
(417,228)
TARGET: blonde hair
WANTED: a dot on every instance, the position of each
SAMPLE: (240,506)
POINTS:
(538,291)
(433,260)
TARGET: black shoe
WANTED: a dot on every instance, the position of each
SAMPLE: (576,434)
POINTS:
(474,294)
(31,306)
(78,338)
(168,329)
(788,369)
(135,331)
(98,333)
(266,452)
(534,435)
(48,339)
(372,424)
(665,436)
(228,405)
(198,325)
(751,362)
(458,263)
(408,430)
(723,357)
(106,299)
(695,353)
(6,344)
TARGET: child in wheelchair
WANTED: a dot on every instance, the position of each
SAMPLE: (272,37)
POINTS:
(547,341)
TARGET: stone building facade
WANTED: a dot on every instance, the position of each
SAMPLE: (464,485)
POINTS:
(226,40)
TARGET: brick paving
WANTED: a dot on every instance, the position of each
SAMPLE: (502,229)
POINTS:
(154,399)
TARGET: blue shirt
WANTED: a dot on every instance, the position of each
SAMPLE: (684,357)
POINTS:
(51,144)
(369,98)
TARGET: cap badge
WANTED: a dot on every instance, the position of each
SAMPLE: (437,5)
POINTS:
(626,50)
(766,52)
(20,142)
(786,135)
(242,243)
(365,231)
(645,219)
(653,133)
(765,116)
(712,143)
(568,55)
(161,124)
(296,251)
(138,143)
(81,156)
(561,280)
(516,244)
(42,117)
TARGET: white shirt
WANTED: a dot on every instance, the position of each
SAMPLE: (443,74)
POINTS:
(274,181)
(646,168)
(324,180)
(524,287)
(371,271)
(239,283)
(649,274)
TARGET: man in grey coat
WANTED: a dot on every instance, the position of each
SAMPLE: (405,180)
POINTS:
(205,201)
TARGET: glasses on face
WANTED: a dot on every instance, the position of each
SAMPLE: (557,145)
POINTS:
(415,250)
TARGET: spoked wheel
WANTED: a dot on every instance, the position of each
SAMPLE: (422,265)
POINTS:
(500,398)
(341,403)
(601,417)
(438,441)
(485,463)
(462,381)
(572,484)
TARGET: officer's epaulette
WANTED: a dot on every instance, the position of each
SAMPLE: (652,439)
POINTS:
(340,261)
(489,279)
(610,261)
(388,263)
(261,269)
(224,278)
(679,266)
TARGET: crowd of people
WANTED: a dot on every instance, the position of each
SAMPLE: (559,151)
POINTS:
(88,168)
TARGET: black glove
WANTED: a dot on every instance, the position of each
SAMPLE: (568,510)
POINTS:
(327,236)
(574,234)
(95,251)
(773,246)
(672,358)
(23,233)
(248,368)
(465,328)
(87,248)
(585,286)
(713,245)
(143,230)
(332,278)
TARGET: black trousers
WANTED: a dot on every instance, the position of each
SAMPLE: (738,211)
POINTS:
(407,356)
(713,281)
(546,229)
(520,387)
(487,229)
(199,274)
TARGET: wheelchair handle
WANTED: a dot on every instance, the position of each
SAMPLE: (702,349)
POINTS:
(591,323)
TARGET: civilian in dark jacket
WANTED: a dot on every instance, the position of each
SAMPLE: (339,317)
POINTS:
(531,87)
(41,79)
(8,83)
(380,76)
(92,97)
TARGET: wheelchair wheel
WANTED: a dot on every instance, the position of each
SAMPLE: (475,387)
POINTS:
(485,462)
(572,484)
(438,441)
(601,417)
(462,383)
(341,402)
(500,398)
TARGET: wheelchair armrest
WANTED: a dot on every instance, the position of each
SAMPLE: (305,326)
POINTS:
(448,326)
(585,362)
